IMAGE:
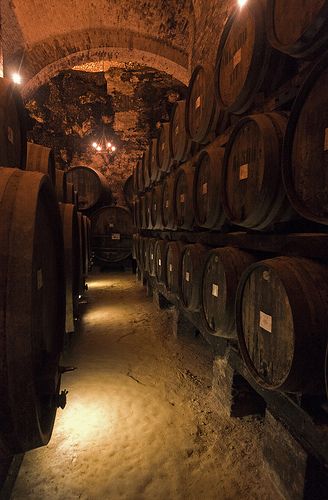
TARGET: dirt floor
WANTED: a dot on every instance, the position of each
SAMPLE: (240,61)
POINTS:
(141,421)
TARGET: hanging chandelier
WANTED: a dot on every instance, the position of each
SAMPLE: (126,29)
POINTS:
(103,145)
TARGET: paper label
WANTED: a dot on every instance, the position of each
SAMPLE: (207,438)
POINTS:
(198,102)
(204,188)
(163,146)
(177,130)
(116,236)
(151,256)
(170,268)
(182,198)
(111,224)
(266,321)
(187,276)
(236,58)
(39,279)
(155,207)
(159,262)
(10,134)
(167,204)
(326,139)
(215,290)
(243,172)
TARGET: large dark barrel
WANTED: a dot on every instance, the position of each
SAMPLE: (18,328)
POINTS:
(192,264)
(112,231)
(160,260)
(201,110)
(146,158)
(305,153)
(163,148)
(72,261)
(41,159)
(61,185)
(128,192)
(180,143)
(222,272)
(13,126)
(173,265)
(155,172)
(92,186)
(32,308)
(298,29)
(167,205)
(281,315)
(155,207)
(252,190)
(183,196)
(207,188)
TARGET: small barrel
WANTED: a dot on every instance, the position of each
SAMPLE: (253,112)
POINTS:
(151,256)
(92,186)
(173,265)
(61,185)
(160,260)
(155,172)
(192,264)
(201,115)
(252,190)
(183,196)
(70,195)
(167,205)
(128,192)
(281,316)
(207,188)
(146,158)
(32,308)
(222,271)
(305,152)
(299,30)
(41,159)
(180,143)
(13,126)
(163,148)
(155,207)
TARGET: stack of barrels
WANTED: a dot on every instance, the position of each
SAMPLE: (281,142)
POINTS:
(231,158)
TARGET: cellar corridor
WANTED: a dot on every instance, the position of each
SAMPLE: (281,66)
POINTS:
(141,421)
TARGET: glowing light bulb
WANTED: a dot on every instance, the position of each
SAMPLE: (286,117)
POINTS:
(109,144)
(242,3)
(98,148)
(113,148)
(17,78)
(94,144)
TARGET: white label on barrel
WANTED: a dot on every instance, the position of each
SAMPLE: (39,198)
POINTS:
(116,236)
(163,146)
(182,198)
(111,224)
(177,130)
(215,290)
(326,139)
(266,321)
(204,188)
(198,102)
(10,133)
(159,262)
(187,276)
(243,172)
(152,256)
(155,206)
(39,279)
(148,210)
(167,204)
(236,58)
(170,268)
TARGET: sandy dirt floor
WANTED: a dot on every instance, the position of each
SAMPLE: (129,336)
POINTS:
(141,421)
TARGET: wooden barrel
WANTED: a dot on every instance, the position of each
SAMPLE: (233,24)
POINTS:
(146,158)
(76,199)
(305,152)
(112,231)
(148,197)
(222,271)
(201,110)
(192,264)
(61,185)
(155,207)
(180,143)
(298,30)
(129,192)
(41,159)
(207,188)
(72,262)
(93,187)
(160,260)
(155,173)
(70,192)
(137,214)
(281,315)
(173,265)
(163,148)
(151,256)
(142,210)
(252,190)
(13,126)
(183,196)
(32,308)
(167,205)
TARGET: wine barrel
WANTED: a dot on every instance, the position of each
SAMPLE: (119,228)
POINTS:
(222,271)
(92,186)
(142,209)
(173,265)
(76,199)
(32,308)
(155,173)
(146,158)
(128,192)
(160,260)
(70,192)
(155,207)
(163,148)
(13,126)
(183,196)
(305,152)
(148,200)
(41,159)
(137,214)
(151,256)
(167,205)
(192,264)
(281,316)
(112,231)
(201,115)
(180,144)
(207,187)
(252,190)
(297,30)
(72,262)
(61,187)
